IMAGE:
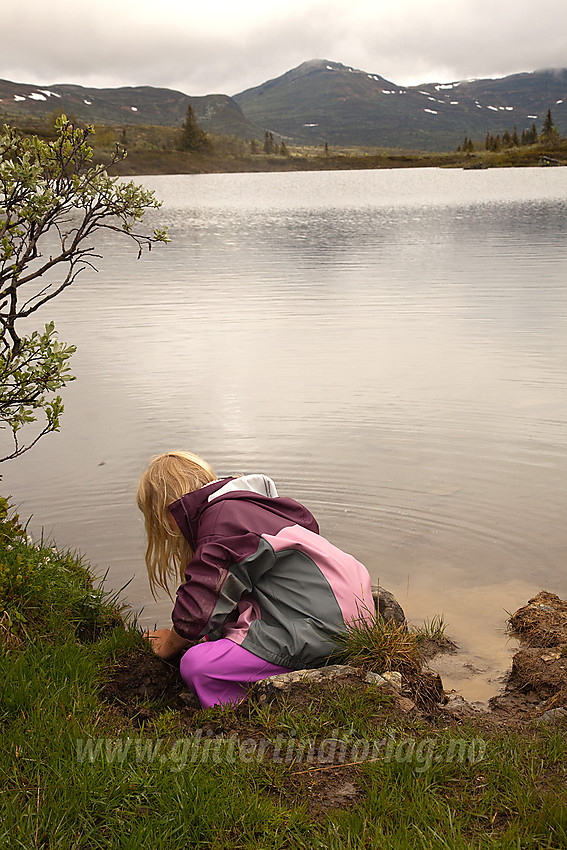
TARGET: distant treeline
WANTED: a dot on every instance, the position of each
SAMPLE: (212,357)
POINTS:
(549,136)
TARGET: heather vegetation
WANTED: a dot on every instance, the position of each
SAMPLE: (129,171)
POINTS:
(156,149)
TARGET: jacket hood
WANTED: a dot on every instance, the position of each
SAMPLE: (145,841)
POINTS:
(256,487)
(255,483)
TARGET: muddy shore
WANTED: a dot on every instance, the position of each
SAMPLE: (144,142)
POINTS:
(535,687)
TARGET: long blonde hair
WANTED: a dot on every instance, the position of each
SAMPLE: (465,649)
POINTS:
(168,477)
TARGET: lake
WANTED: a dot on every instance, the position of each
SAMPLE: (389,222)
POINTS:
(389,346)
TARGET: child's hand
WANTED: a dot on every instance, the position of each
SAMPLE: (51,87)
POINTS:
(166,642)
(158,639)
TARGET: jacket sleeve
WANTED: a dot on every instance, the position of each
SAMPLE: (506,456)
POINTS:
(211,590)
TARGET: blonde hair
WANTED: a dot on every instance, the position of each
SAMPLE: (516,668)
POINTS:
(168,477)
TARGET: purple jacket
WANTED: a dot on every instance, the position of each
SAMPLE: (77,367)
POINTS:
(263,576)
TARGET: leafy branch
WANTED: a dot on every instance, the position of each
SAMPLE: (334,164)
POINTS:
(53,202)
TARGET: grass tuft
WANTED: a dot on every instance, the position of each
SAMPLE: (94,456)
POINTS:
(379,645)
(434,629)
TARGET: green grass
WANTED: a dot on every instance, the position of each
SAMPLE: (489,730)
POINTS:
(43,592)
(427,787)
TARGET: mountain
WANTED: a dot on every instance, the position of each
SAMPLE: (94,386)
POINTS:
(322,101)
(216,113)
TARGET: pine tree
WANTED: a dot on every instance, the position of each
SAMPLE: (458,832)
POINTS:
(191,137)
(270,145)
(529,137)
(548,132)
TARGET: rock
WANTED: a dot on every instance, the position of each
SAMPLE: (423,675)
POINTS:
(346,790)
(553,714)
(375,679)
(284,681)
(189,699)
(387,606)
(394,679)
(550,657)
(458,706)
(405,705)
(268,688)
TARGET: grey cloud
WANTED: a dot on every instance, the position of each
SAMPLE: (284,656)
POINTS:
(411,43)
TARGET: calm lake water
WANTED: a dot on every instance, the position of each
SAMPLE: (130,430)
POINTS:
(390,346)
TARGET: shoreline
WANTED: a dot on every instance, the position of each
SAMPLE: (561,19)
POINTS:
(145,163)
(149,151)
(325,758)
(152,150)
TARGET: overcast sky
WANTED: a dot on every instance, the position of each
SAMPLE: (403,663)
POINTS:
(230,45)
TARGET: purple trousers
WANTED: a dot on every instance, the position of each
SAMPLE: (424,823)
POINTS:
(219,670)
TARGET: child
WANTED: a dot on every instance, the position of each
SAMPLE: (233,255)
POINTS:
(261,592)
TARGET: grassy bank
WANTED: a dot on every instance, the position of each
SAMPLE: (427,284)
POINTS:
(89,761)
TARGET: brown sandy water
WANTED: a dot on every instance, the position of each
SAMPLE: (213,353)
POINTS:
(390,347)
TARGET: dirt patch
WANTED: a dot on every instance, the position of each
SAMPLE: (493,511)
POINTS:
(543,673)
(140,685)
(543,621)
(323,789)
(538,680)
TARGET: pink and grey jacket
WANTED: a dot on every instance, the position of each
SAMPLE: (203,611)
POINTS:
(262,575)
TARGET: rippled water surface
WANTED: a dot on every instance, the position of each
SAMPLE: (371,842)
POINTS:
(390,346)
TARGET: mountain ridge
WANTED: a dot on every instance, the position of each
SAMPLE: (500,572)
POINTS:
(217,113)
(324,101)
(320,101)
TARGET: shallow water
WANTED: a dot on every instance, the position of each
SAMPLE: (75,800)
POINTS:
(390,346)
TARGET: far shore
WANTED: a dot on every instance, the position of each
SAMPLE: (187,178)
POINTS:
(154,150)
(153,162)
